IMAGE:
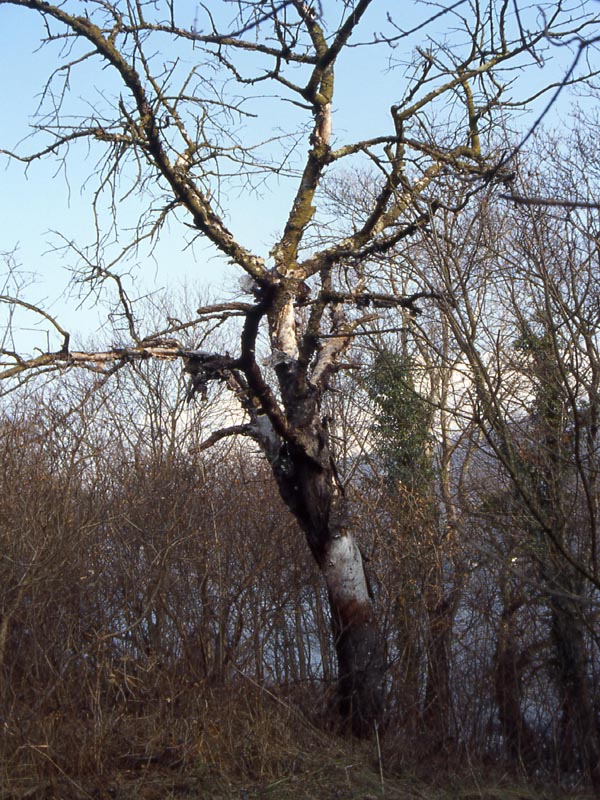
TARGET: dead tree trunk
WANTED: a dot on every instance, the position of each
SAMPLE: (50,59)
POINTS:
(307,485)
(287,424)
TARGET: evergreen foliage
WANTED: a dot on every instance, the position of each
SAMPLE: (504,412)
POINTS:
(403,422)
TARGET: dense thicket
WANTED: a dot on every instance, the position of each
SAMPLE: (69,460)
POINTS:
(158,607)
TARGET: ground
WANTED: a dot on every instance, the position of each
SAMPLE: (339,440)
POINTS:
(343,772)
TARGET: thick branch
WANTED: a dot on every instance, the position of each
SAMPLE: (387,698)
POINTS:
(223,433)
(318,92)
(187,192)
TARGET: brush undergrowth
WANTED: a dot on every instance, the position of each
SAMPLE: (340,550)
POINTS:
(241,742)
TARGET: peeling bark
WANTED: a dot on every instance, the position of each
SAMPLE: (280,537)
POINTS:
(308,488)
(357,643)
(284,336)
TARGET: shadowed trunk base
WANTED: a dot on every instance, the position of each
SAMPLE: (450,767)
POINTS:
(360,672)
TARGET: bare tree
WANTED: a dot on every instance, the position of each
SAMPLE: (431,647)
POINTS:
(184,88)
(525,316)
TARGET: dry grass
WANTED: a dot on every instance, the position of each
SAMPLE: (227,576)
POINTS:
(237,742)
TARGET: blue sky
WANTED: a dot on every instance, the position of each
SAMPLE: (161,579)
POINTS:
(37,203)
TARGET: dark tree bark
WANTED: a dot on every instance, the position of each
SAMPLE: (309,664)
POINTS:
(308,488)
(580,727)
(440,614)
(509,664)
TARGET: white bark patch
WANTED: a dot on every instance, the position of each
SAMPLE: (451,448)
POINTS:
(344,570)
(264,430)
(276,358)
(286,340)
(328,356)
(324,124)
